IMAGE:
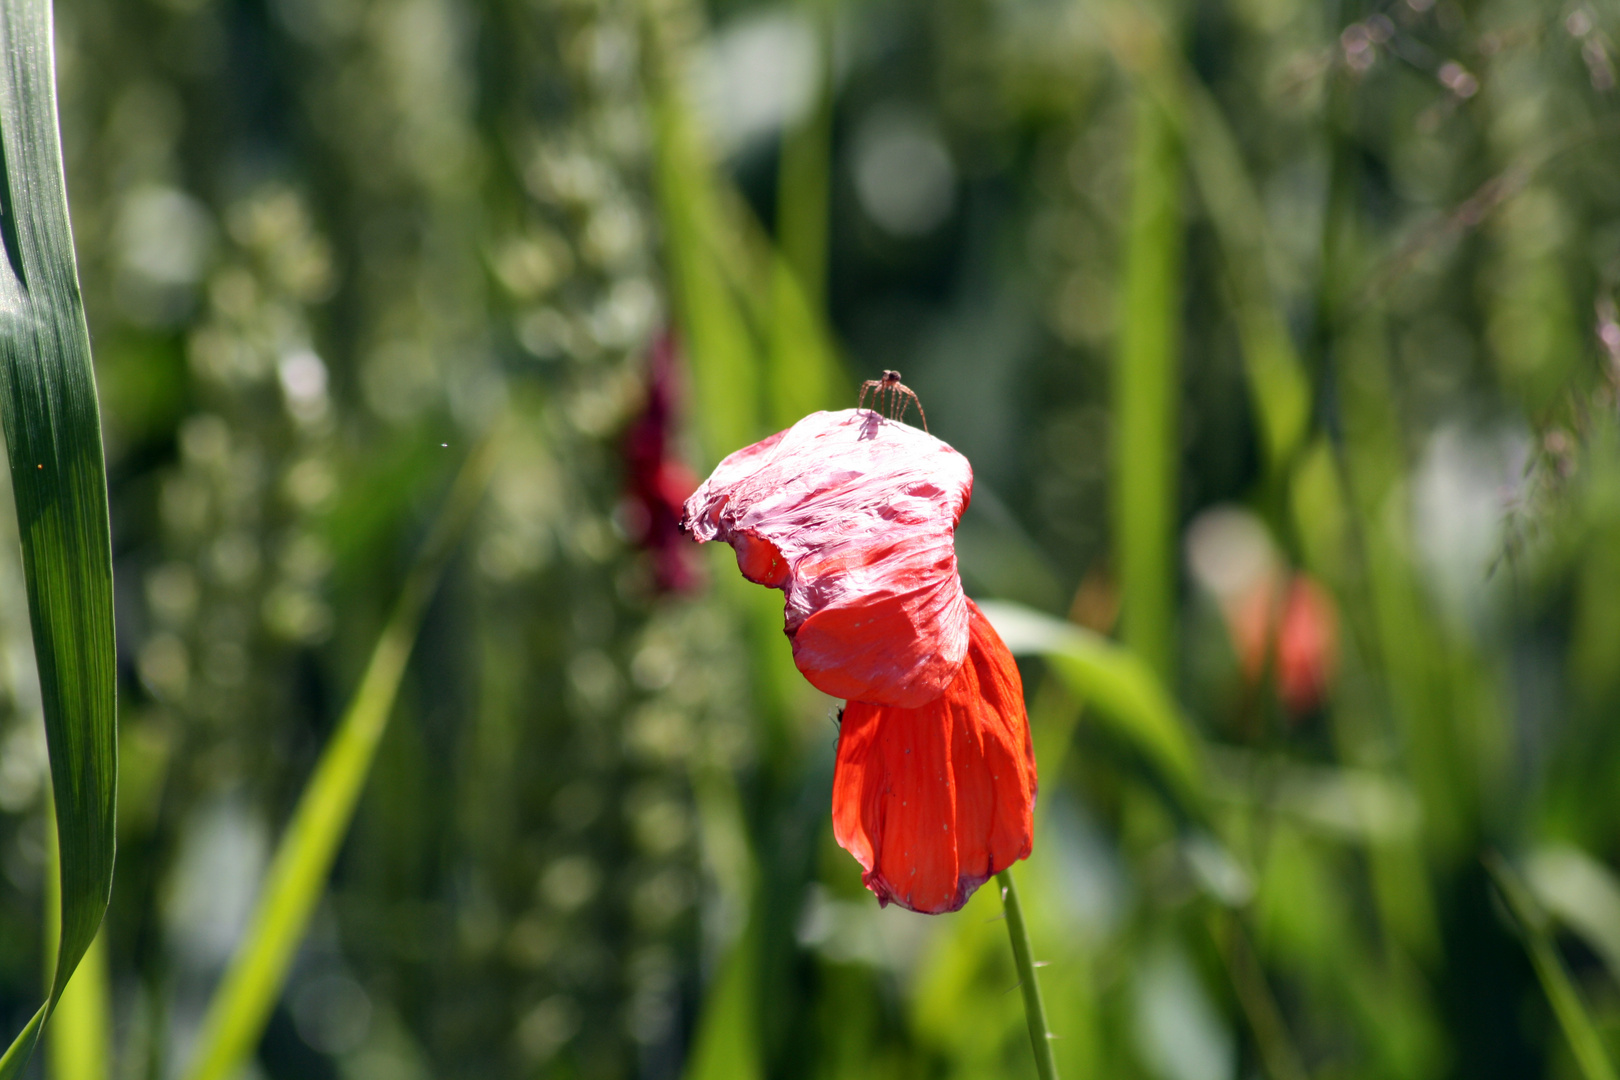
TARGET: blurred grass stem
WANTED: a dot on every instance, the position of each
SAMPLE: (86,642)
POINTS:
(1040,1035)
(719,347)
(1259,1005)
(802,192)
(1146,391)
(1584,1040)
(241,1006)
(802,375)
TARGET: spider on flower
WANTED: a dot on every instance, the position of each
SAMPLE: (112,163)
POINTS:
(891,397)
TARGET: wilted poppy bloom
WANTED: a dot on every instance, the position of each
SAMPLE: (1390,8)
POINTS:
(853,517)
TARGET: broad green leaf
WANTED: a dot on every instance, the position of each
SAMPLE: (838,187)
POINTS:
(1116,681)
(59,481)
(241,1005)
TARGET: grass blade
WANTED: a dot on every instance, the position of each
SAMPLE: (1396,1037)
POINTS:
(1147,391)
(726,1041)
(81,1026)
(761,357)
(1582,894)
(723,355)
(803,375)
(1573,1018)
(1279,388)
(804,181)
(59,480)
(81,1023)
(241,1006)
(1259,1005)
(751,311)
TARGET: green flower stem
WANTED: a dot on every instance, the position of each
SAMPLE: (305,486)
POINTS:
(1040,1036)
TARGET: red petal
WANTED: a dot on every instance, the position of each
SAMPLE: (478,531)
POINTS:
(852,516)
(934,801)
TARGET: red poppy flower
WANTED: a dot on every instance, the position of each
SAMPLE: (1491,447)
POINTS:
(933,801)
(853,517)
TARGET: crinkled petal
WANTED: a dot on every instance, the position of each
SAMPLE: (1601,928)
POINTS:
(853,517)
(934,801)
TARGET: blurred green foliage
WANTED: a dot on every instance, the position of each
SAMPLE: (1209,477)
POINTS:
(1283,338)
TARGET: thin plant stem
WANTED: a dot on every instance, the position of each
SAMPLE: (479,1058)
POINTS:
(1040,1036)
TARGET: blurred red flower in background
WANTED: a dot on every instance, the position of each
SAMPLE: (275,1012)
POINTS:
(656,481)
(1280,621)
(1300,636)
(853,516)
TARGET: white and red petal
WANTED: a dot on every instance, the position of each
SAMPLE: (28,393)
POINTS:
(853,516)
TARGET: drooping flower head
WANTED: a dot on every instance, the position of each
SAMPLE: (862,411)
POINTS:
(853,517)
